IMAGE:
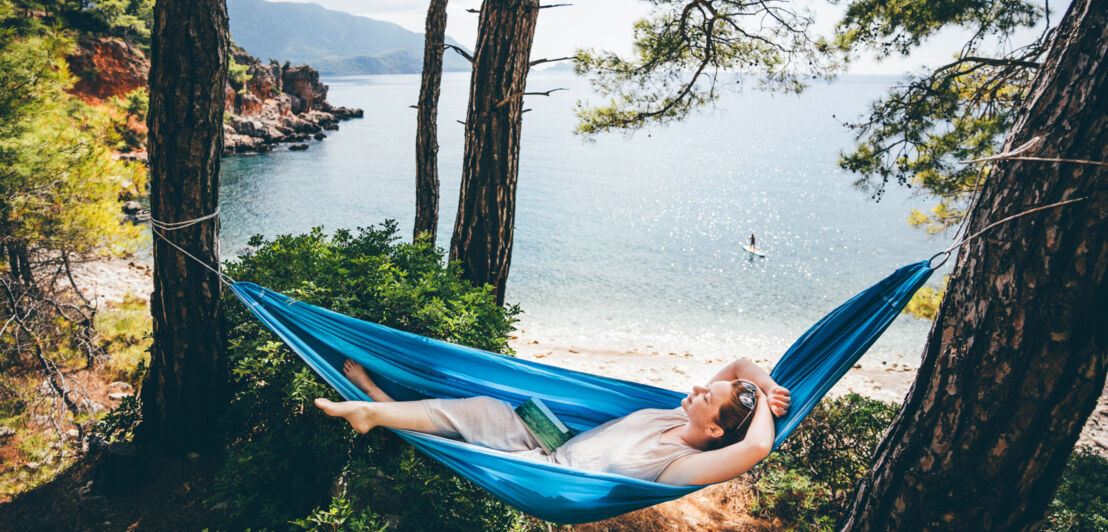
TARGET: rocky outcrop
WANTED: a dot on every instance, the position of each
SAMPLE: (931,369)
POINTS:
(269,105)
(106,67)
(276,103)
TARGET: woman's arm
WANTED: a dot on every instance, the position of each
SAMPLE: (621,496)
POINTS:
(778,396)
(729,462)
(746,370)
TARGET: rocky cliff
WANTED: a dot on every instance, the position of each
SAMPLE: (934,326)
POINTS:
(277,103)
(269,105)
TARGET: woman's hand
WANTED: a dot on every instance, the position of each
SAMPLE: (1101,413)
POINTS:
(778,400)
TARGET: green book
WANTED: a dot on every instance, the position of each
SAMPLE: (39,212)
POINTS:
(543,424)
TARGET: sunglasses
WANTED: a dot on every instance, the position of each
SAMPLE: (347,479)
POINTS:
(749,397)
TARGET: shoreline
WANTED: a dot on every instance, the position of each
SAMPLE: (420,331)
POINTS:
(680,371)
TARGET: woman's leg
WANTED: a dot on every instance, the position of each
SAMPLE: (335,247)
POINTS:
(481,420)
(384,411)
(357,375)
(364,415)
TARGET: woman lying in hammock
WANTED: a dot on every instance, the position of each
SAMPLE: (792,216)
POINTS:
(719,431)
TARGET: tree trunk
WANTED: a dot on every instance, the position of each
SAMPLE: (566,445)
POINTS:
(1017,357)
(19,262)
(183,392)
(427,136)
(482,238)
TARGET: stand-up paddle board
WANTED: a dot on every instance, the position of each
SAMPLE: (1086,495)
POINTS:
(752,252)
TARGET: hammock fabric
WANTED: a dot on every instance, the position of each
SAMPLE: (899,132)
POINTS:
(408,367)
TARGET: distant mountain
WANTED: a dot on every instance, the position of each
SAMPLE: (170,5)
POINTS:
(333,42)
(561,66)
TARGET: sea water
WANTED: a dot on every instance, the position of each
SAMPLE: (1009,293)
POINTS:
(626,241)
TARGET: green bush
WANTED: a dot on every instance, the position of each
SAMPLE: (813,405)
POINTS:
(341,516)
(1081,502)
(283,455)
(811,477)
(238,75)
(835,443)
(125,332)
(792,496)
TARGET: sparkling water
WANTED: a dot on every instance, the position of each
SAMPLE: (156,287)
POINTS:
(626,241)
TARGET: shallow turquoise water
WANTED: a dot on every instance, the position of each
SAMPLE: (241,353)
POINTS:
(626,241)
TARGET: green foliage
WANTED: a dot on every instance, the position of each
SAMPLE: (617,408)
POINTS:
(918,134)
(131,19)
(237,74)
(792,496)
(130,126)
(135,103)
(283,454)
(687,51)
(121,422)
(341,516)
(1081,502)
(59,186)
(899,26)
(835,443)
(925,303)
(126,333)
(422,494)
(810,478)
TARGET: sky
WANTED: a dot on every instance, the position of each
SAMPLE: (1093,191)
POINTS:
(607,24)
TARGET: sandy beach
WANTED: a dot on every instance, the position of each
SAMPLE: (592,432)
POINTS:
(887,381)
(680,371)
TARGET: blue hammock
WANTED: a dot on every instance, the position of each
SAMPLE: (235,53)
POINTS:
(409,367)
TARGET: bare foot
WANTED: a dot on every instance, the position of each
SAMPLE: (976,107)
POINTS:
(358,413)
(357,375)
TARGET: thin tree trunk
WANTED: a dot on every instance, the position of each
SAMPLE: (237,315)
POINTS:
(483,229)
(427,138)
(19,261)
(1017,357)
(183,392)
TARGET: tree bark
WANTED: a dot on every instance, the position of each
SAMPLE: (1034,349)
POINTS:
(1017,357)
(482,239)
(183,392)
(427,136)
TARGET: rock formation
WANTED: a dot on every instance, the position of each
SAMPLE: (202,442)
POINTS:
(277,103)
(269,105)
(106,67)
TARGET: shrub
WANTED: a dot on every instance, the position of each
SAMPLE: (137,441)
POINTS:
(341,516)
(811,477)
(835,443)
(125,333)
(791,496)
(1081,502)
(283,454)
(238,75)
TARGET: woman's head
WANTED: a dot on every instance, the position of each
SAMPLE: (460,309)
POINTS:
(735,414)
(723,409)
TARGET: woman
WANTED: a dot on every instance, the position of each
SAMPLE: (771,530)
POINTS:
(719,432)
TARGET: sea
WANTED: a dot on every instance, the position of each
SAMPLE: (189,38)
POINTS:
(627,241)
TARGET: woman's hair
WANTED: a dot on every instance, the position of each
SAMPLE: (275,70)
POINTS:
(734,417)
